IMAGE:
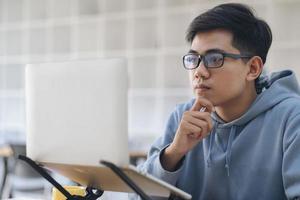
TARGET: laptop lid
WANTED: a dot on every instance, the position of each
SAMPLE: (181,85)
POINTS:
(76,112)
(76,115)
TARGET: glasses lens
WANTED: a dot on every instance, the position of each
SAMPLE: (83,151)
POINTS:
(213,60)
(190,61)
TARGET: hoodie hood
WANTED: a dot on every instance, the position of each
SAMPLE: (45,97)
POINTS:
(272,90)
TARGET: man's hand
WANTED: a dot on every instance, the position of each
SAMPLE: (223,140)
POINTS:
(194,126)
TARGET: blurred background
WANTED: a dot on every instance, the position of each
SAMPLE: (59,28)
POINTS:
(149,33)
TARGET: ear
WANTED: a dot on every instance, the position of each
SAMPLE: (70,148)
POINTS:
(255,68)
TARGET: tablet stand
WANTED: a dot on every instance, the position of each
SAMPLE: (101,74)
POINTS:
(92,193)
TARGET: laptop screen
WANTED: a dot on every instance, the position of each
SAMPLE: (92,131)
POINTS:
(76,112)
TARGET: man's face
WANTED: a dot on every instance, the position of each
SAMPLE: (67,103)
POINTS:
(223,85)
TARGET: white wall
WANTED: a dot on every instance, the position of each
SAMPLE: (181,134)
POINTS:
(150,34)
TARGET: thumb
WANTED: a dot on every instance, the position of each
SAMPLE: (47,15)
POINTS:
(197,105)
(200,103)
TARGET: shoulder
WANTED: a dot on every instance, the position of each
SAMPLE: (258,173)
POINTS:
(288,111)
(290,106)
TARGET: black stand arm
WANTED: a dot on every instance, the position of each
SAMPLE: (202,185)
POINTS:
(91,195)
(126,179)
(131,184)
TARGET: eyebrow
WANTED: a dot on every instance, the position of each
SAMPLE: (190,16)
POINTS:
(207,51)
(193,51)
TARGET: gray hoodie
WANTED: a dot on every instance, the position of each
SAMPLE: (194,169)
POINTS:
(256,156)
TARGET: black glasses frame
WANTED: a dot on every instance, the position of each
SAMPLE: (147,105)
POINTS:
(202,57)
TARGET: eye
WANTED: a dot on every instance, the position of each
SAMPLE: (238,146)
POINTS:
(214,59)
(191,59)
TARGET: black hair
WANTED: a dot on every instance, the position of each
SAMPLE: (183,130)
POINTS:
(251,35)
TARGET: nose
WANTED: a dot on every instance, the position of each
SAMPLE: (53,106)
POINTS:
(201,72)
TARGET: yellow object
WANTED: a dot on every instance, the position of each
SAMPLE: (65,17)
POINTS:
(74,190)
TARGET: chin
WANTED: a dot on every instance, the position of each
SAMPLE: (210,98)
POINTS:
(202,96)
(208,97)
(200,93)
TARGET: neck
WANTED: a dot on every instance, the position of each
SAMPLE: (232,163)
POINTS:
(236,107)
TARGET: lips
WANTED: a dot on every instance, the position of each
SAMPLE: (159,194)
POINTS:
(201,87)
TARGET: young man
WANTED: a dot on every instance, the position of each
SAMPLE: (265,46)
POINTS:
(240,137)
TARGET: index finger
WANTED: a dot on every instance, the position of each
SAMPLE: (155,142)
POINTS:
(202,102)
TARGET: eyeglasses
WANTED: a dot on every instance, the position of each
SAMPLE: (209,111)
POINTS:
(210,59)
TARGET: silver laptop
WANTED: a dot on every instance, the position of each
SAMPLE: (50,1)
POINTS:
(76,114)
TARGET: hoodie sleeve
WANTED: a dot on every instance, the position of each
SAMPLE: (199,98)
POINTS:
(153,165)
(291,158)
